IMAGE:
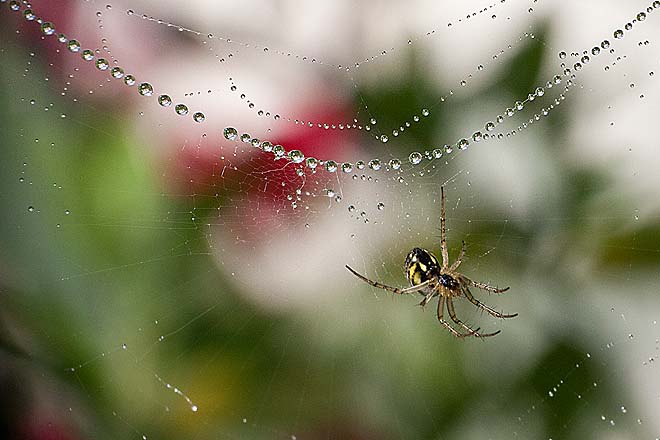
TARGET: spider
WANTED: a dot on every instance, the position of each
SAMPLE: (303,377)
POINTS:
(431,279)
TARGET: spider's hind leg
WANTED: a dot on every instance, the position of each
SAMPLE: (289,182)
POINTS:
(459,260)
(396,290)
(443,229)
(429,296)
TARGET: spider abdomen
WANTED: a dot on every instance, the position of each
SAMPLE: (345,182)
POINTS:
(421,265)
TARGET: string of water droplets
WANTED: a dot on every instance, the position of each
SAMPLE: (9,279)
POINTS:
(102,64)
(355,124)
(262,48)
(146,89)
(375,164)
(416,157)
(124,347)
(372,121)
(583,395)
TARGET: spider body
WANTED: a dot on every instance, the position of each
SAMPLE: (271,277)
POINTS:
(421,265)
(430,279)
(448,281)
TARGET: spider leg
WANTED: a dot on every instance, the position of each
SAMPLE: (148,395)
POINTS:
(389,288)
(428,296)
(441,309)
(443,230)
(458,261)
(483,306)
(486,287)
(473,332)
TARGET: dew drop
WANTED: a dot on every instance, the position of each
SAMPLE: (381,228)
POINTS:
(87,55)
(117,72)
(165,100)
(129,80)
(278,150)
(73,45)
(47,28)
(145,89)
(415,158)
(102,64)
(375,164)
(331,166)
(296,156)
(230,133)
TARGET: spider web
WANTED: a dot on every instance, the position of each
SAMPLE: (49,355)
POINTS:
(173,246)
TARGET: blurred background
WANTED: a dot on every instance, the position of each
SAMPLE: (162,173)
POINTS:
(158,280)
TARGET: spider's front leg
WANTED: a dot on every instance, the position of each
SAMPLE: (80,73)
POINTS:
(452,330)
(483,306)
(454,317)
(488,287)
